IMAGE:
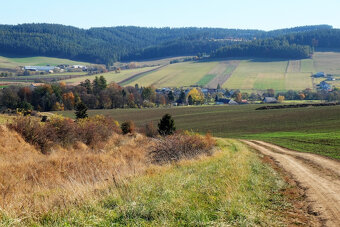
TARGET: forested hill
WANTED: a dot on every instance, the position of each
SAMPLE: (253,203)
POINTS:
(293,45)
(107,45)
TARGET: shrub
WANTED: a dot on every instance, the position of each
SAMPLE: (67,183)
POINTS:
(93,131)
(128,127)
(166,125)
(179,146)
(150,130)
(32,132)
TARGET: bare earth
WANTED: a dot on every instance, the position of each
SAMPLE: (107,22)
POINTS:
(319,175)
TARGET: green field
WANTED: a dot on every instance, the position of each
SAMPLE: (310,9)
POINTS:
(276,126)
(111,76)
(12,63)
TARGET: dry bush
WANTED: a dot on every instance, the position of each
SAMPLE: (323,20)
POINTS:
(32,183)
(128,127)
(60,131)
(179,146)
(150,130)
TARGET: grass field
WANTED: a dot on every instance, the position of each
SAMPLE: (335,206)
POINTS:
(12,63)
(327,62)
(233,187)
(111,76)
(246,122)
(251,76)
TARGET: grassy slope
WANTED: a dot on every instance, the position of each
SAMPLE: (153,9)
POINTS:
(175,75)
(246,122)
(233,187)
(110,76)
(12,63)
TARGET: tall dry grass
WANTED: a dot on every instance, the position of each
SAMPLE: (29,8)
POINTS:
(32,183)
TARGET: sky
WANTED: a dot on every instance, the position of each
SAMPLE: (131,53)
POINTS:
(242,14)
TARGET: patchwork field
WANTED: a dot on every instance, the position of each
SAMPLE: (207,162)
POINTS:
(254,75)
(175,75)
(313,129)
(328,62)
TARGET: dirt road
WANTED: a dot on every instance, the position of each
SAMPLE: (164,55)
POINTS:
(320,176)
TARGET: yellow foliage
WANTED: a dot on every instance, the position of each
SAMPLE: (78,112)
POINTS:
(281,98)
(196,95)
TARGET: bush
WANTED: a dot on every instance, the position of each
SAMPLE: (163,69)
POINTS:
(166,125)
(179,146)
(150,130)
(128,127)
(93,131)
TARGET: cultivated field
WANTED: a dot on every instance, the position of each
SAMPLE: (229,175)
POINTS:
(248,75)
(313,129)
(110,76)
(175,75)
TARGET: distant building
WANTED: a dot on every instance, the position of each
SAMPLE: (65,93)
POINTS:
(319,75)
(226,101)
(325,86)
(40,68)
(269,100)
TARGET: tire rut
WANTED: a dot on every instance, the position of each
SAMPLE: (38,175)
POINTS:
(322,189)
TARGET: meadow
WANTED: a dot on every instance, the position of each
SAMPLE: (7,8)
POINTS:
(13,62)
(317,127)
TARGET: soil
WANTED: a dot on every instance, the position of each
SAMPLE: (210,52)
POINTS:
(319,176)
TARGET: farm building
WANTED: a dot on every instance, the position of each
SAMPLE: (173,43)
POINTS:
(40,68)
(269,100)
(325,86)
(319,75)
(226,101)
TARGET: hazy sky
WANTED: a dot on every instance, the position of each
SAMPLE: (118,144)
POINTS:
(257,14)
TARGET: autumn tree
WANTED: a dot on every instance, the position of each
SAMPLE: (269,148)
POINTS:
(280,98)
(68,100)
(197,96)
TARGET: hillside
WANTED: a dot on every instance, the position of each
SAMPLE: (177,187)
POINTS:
(246,74)
(107,45)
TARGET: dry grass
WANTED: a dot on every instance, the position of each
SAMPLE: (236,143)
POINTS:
(32,183)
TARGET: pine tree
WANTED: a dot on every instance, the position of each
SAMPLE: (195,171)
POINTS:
(166,125)
(81,110)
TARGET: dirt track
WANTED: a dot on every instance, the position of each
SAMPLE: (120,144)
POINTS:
(320,176)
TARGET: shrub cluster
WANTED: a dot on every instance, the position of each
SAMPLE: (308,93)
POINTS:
(181,146)
(62,131)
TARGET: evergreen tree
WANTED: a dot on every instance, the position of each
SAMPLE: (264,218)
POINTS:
(190,100)
(81,110)
(166,125)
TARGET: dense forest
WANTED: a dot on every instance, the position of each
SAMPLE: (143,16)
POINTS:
(265,48)
(107,45)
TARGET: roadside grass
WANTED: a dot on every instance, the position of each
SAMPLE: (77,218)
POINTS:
(175,75)
(110,76)
(232,187)
(244,122)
